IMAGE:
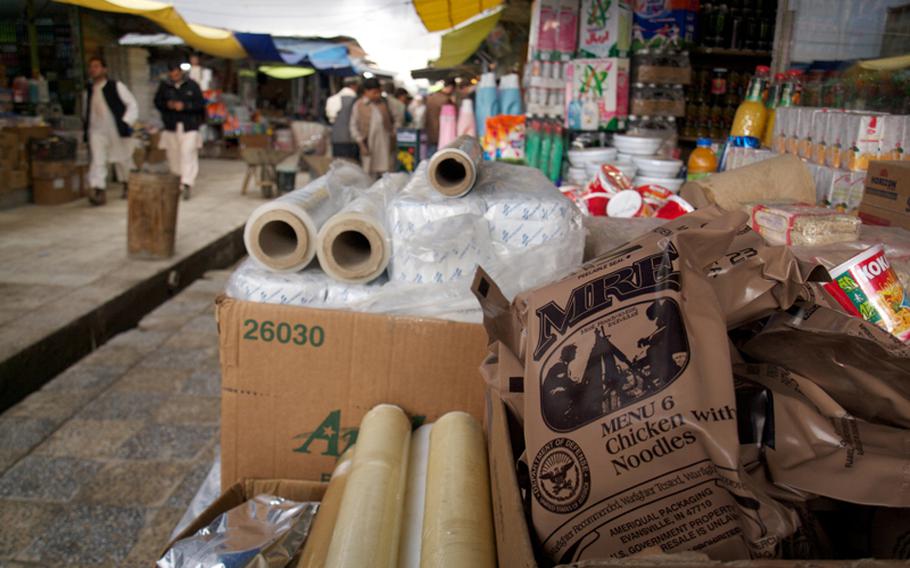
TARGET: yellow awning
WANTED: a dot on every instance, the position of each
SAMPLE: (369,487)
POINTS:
(458,45)
(285,71)
(438,15)
(214,41)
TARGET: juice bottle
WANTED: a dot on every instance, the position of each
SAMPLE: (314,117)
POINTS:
(774,95)
(702,160)
(751,115)
(795,78)
(763,74)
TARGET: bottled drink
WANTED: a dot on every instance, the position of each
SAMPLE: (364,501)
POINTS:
(532,143)
(546,143)
(554,168)
(763,75)
(702,160)
(774,98)
(720,25)
(705,21)
(795,78)
(737,24)
(751,115)
(718,100)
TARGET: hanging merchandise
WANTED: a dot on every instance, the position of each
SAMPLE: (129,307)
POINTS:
(554,171)
(605,28)
(601,87)
(509,95)
(486,101)
(533,134)
(466,125)
(554,30)
(663,24)
(448,125)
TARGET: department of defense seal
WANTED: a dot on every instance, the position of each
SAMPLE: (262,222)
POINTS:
(560,478)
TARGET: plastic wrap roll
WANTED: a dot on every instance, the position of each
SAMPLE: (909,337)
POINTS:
(281,234)
(412,518)
(369,520)
(458,518)
(310,288)
(354,244)
(453,169)
(317,545)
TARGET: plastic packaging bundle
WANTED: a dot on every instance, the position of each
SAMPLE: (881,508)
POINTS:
(264,531)
(310,288)
(803,224)
(354,244)
(515,224)
(281,234)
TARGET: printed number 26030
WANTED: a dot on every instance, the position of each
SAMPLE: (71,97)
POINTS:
(283,332)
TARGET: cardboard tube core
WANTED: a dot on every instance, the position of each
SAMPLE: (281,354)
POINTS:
(453,174)
(352,250)
(281,239)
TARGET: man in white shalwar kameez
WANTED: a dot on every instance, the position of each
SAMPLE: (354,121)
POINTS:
(182,107)
(111,111)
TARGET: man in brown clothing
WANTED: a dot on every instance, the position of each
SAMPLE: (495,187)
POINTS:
(372,129)
(435,102)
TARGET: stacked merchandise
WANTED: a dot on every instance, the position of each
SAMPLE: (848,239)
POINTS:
(839,145)
(737,25)
(409,244)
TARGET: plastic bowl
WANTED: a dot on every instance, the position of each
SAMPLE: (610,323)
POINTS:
(673,184)
(581,157)
(654,167)
(637,145)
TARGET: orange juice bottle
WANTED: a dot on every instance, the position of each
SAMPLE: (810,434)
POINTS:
(751,114)
(702,160)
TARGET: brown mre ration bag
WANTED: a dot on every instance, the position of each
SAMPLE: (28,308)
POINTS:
(629,418)
(811,444)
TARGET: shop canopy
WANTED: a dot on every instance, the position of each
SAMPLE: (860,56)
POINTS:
(438,15)
(285,71)
(214,41)
(458,45)
(325,56)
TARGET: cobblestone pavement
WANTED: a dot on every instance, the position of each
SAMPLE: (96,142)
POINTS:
(59,263)
(97,467)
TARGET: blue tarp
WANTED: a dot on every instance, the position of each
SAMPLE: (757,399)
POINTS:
(324,56)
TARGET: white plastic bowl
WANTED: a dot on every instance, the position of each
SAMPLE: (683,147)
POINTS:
(625,158)
(592,169)
(637,145)
(581,157)
(673,184)
(654,167)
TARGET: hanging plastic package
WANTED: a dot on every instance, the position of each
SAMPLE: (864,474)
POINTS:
(509,95)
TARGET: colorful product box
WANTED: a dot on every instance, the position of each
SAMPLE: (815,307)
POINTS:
(661,24)
(604,28)
(600,94)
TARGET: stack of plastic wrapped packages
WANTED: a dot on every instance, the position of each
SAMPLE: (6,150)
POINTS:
(402,246)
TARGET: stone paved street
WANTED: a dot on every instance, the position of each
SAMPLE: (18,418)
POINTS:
(97,467)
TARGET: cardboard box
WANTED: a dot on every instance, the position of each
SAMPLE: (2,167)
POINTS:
(13,180)
(54,183)
(237,494)
(886,198)
(604,28)
(296,382)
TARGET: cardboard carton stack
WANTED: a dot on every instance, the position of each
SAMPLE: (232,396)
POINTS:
(886,199)
(14,162)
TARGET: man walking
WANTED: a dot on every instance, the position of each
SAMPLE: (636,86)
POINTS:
(110,111)
(182,108)
(338,111)
(371,128)
(435,102)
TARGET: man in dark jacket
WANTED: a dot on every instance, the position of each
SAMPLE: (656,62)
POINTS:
(182,108)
